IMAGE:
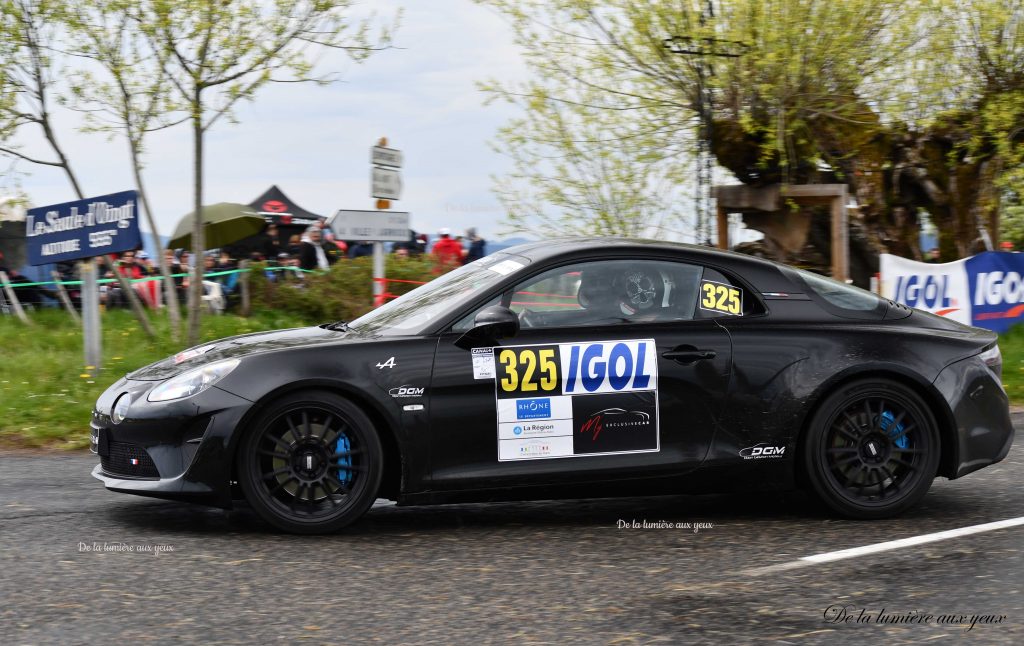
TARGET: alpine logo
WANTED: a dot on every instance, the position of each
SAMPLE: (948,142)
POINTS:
(406,391)
(762,451)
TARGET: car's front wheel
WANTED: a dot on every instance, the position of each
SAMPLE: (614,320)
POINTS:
(872,449)
(312,463)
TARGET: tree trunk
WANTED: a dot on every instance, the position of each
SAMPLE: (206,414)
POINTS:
(195,292)
(173,312)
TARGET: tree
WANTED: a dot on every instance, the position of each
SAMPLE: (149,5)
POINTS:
(27,78)
(561,157)
(912,104)
(28,30)
(132,98)
(219,53)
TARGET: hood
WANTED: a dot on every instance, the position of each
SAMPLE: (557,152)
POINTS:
(238,346)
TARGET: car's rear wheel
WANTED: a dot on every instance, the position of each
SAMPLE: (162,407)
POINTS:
(312,463)
(872,449)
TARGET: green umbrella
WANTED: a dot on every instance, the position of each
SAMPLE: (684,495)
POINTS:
(225,223)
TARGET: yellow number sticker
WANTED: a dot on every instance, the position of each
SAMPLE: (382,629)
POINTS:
(528,370)
(718,297)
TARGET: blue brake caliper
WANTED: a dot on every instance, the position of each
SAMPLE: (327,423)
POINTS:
(343,446)
(893,429)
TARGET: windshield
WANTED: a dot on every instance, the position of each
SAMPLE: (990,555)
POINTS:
(424,306)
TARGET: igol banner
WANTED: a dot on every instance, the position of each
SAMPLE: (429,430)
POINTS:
(986,290)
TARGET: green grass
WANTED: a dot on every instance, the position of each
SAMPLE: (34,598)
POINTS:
(1012,346)
(46,391)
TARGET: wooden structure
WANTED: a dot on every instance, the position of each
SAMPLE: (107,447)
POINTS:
(772,199)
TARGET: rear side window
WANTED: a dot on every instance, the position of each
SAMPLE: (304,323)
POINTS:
(847,299)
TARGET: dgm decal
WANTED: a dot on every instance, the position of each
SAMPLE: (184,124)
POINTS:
(595,398)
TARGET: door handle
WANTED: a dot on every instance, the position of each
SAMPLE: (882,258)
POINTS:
(689,354)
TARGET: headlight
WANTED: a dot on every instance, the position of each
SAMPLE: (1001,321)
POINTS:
(120,408)
(192,382)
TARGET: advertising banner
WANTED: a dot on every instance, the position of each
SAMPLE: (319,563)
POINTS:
(83,228)
(986,290)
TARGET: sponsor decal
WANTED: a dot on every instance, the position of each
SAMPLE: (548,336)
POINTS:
(533,408)
(390,363)
(721,298)
(762,451)
(594,398)
(483,363)
(614,418)
(406,391)
(534,449)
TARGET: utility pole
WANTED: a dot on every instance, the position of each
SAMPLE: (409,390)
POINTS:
(703,48)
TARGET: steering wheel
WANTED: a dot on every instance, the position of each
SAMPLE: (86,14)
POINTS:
(529,319)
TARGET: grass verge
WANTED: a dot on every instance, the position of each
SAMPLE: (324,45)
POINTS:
(46,391)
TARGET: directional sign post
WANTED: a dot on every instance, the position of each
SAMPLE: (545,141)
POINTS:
(385,185)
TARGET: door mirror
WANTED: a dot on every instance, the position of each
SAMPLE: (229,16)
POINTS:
(491,323)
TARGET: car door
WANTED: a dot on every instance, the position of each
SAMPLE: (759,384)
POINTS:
(617,372)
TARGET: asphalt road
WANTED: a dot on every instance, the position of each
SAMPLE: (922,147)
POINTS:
(549,572)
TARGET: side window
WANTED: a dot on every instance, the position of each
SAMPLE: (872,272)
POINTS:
(608,292)
(722,297)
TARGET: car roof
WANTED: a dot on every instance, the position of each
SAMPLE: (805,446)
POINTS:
(763,275)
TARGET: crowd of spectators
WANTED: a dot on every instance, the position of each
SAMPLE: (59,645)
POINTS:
(286,260)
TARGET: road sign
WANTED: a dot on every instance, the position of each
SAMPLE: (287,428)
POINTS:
(83,228)
(386,184)
(374,226)
(381,156)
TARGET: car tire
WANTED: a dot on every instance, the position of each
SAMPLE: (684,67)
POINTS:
(872,449)
(311,463)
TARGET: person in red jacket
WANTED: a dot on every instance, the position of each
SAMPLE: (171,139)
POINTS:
(447,252)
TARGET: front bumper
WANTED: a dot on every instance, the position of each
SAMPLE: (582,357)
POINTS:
(179,450)
(981,416)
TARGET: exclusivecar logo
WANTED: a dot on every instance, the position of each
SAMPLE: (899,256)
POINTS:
(612,418)
(406,391)
(762,451)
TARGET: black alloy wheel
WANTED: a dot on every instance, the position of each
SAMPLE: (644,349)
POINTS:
(872,449)
(312,464)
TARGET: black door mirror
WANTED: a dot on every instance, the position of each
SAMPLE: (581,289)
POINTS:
(491,323)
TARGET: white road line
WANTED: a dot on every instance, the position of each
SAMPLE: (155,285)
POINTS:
(828,557)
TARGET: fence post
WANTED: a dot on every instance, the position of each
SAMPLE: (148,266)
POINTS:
(13,298)
(243,285)
(64,298)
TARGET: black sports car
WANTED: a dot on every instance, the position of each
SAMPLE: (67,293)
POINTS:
(579,368)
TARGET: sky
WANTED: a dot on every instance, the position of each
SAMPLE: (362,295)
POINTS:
(313,141)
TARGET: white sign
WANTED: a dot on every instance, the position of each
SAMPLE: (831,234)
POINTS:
(374,226)
(381,156)
(385,184)
(937,288)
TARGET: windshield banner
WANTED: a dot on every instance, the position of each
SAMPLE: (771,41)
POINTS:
(986,290)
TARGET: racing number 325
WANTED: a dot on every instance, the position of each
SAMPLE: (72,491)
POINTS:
(528,370)
(721,298)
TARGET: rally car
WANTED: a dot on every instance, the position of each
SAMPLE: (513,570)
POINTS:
(576,368)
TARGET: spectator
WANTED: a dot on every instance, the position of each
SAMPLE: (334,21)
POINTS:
(477,246)
(360,249)
(294,245)
(447,252)
(933,255)
(332,250)
(270,242)
(225,262)
(311,251)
